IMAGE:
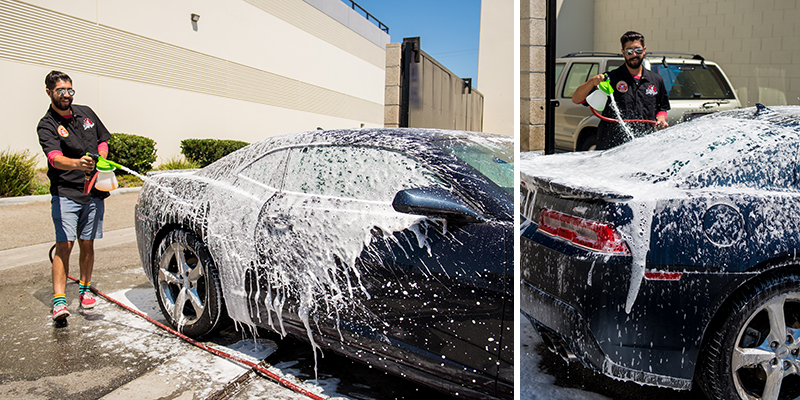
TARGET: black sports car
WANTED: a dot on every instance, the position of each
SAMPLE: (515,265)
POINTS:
(391,246)
(672,260)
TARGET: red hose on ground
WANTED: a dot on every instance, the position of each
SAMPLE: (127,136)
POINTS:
(268,374)
(644,121)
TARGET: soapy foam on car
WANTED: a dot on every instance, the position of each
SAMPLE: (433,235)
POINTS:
(325,278)
(668,164)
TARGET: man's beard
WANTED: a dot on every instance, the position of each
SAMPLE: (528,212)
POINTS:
(633,63)
(59,105)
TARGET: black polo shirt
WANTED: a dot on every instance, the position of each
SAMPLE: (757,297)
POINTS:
(73,137)
(636,99)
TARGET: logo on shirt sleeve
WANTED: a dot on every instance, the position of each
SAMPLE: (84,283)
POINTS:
(87,123)
(622,86)
(62,131)
(651,90)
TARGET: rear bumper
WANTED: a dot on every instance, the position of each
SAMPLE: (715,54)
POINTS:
(565,322)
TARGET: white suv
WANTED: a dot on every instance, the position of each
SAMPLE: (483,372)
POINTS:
(696,87)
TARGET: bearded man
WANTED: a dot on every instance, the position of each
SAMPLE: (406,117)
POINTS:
(640,94)
(67,132)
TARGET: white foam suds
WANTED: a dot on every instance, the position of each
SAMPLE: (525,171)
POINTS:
(721,156)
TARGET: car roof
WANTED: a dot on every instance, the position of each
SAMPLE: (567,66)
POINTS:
(419,143)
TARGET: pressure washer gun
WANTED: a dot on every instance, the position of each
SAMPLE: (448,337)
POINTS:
(104,179)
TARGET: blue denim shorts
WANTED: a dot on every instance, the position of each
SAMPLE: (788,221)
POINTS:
(70,218)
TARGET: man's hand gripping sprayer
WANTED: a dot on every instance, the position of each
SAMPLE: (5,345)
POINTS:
(104,178)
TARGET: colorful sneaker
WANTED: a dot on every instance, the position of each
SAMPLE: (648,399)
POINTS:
(60,312)
(87,300)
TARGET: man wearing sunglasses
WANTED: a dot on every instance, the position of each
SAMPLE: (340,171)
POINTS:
(67,132)
(639,93)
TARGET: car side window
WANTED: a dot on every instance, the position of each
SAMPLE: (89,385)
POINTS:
(364,173)
(559,70)
(268,170)
(577,75)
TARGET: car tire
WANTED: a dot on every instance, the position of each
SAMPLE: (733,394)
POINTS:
(756,347)
(187,285)
(590,143)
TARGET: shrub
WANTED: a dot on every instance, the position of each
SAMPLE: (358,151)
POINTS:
(17,173)
(129,180)
(135,152)
(41,183)
(177,162)
(206,151)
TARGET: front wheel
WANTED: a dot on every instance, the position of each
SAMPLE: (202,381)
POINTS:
(187,285)
(755,353)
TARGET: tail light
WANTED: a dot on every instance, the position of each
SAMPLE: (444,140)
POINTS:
(583,232)
(663,276)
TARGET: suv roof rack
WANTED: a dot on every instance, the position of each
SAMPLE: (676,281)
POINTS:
(693,56)
(665,54)
(591,54)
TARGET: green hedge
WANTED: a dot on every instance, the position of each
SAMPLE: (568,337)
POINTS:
(17,173)
(206,151)
(135,152)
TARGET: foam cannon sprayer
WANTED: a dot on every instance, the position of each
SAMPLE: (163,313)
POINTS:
(597,101)
(104,179)
(598,98)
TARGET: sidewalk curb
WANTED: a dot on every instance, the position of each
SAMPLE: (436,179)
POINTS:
(8,201)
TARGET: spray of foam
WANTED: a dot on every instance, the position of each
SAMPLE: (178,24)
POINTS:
(622,122)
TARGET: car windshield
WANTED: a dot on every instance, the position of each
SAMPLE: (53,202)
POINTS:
(492,158)
(692,81)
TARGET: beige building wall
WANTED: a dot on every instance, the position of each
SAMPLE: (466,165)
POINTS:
(532,74)
(496,66)
(248,69)
(755,41)
(574,26)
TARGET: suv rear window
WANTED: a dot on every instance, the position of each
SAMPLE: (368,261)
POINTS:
(612,64)
(691,81)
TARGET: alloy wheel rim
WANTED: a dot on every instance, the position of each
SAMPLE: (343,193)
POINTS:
(767,350)
(181,281)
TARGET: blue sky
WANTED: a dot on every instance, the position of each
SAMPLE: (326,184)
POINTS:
(449,29)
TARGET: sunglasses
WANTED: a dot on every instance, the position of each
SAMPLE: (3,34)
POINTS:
(638,51)
(61,91)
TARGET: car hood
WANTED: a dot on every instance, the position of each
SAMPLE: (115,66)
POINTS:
(753,149)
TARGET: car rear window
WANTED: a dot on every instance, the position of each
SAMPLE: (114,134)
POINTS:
(692,81)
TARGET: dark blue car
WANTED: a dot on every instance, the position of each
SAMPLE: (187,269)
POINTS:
(391,246)
(672,260)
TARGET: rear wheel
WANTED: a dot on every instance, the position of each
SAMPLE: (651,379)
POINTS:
(187,285)
(755,354)
(589,143)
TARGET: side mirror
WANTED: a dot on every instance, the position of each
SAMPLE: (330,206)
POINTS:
(434,202)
